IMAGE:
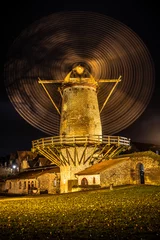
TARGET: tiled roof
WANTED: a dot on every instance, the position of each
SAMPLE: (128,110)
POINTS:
(29,174)
(99,167)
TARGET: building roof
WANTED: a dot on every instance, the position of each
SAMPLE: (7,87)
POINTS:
(99,167)
(30,174)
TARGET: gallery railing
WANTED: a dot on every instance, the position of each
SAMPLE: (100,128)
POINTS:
(80,140)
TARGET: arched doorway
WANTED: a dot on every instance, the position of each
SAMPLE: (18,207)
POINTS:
(84,182)
(140,168)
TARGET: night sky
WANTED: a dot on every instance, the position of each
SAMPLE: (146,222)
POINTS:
(143,18)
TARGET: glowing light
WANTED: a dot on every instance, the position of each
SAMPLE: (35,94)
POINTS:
(79,69)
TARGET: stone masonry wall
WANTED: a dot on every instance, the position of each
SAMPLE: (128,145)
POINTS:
(45,182)
(128,172)
(19,186)
(116,175)
(151,170)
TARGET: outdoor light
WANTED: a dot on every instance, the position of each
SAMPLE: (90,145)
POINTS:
(79,69)
(14,166)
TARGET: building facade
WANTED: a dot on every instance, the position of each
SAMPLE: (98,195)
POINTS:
(137,168)
(35,181)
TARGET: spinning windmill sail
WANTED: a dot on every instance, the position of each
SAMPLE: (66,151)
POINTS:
(52,46)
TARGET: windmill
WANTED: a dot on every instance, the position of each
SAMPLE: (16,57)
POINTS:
(63,76)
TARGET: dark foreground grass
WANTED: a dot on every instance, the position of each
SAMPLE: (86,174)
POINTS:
(122,213)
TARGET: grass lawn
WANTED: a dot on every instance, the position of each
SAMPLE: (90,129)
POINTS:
(131,212)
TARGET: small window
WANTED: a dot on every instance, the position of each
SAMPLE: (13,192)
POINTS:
(32,184)
(10,185)
(29,185)
(20,185)
(25,185)
(94,180)
(55,182)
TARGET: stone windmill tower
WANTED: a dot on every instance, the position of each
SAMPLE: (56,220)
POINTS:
(80,61)
(80,143)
